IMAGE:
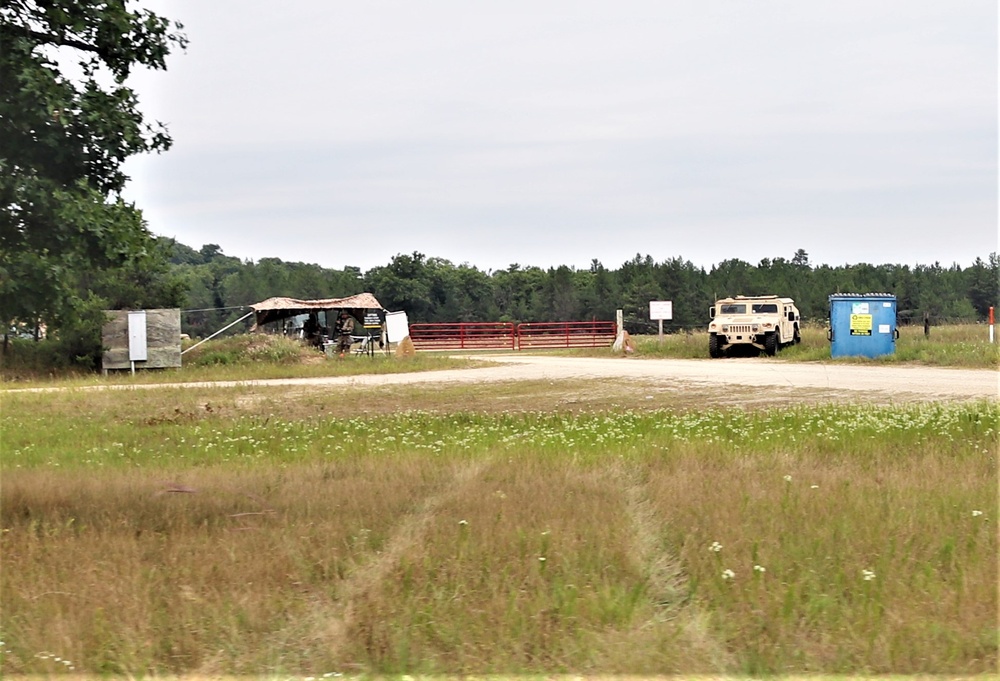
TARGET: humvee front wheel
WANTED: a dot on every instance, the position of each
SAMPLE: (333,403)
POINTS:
(771,343)
(714,346)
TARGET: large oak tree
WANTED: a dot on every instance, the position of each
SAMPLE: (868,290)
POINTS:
(68,121)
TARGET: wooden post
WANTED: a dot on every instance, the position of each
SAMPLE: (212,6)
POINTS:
(927,325)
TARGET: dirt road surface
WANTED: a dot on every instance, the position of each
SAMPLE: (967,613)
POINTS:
(890,382)
(930,382)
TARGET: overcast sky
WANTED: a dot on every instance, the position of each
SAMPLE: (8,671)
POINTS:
(551,133)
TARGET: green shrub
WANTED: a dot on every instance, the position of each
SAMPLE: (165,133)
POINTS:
(245,349)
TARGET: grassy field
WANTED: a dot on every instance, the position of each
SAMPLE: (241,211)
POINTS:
(452,530)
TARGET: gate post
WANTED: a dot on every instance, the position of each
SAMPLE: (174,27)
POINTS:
(619,331)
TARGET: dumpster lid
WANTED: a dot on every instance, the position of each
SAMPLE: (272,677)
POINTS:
(862,295)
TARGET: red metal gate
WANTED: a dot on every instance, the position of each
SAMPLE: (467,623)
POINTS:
(593,334)
(505,336)
(464,336)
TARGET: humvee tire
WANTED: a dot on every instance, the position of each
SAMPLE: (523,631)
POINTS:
(714,346)
(771,343)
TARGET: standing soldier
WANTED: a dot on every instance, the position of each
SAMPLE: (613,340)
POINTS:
(311,330)
(345,327)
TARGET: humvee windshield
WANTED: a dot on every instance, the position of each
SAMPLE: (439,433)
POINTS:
(764,308)
(732,308)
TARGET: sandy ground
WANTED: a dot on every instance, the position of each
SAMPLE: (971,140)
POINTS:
(930,382)
(892,382)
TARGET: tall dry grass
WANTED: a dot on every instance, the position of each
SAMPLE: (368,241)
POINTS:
(214,571)
(478,543)
(842,563)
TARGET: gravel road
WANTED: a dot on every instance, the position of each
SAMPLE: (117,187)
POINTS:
(909,382)
(930,382)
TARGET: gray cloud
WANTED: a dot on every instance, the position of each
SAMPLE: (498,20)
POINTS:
(560,132)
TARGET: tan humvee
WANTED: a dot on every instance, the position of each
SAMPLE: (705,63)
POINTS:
(765,322)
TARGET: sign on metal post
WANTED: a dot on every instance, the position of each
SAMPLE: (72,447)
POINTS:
(660,310)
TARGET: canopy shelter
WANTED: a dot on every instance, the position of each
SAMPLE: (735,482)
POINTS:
(359,306)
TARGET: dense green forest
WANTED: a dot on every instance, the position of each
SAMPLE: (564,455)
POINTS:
(432,289)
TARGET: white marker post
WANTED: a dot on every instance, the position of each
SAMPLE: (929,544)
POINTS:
(619,343)
(137,338)
(991,325)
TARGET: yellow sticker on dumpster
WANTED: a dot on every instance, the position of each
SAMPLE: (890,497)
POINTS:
(861,325)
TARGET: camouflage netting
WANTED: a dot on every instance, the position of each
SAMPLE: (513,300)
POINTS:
(276,309)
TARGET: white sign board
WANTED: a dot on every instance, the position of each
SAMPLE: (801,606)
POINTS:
(137,336)
(397,326)
(661,309)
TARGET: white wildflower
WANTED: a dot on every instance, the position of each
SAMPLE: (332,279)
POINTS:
(788,478)
(715,547)
(759,568)
(867,575)
(728,574)
(976,514)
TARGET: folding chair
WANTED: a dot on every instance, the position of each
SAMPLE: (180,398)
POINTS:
(365,345)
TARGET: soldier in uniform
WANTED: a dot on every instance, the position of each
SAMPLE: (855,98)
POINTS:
(311,330)
(345,327)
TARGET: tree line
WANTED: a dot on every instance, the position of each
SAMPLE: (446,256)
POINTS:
(430,289)
(214,289)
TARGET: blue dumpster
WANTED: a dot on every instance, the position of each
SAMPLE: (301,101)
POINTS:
(862,324)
